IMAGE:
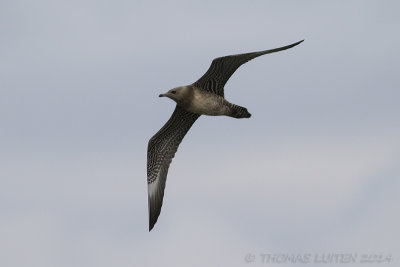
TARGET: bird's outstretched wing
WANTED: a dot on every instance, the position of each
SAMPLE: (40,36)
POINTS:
(161,149)
(222,68)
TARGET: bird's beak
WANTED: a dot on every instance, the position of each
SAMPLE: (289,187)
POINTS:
(161,95)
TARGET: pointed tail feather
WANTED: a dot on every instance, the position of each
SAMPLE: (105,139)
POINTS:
(238,112)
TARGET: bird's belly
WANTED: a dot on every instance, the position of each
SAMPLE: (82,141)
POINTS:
(207,106)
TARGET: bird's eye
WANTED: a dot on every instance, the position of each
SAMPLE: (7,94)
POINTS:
(174,92)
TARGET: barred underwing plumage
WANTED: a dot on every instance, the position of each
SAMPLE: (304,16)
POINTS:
(204,97)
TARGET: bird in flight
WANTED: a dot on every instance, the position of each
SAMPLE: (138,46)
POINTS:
(204,97)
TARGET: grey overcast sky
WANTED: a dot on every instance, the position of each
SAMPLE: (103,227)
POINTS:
(315,170)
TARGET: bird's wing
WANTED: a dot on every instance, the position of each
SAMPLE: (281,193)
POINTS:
(161,149)
(222,68)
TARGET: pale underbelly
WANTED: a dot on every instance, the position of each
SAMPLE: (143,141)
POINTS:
(211,108)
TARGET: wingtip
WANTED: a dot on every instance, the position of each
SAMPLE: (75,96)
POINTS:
(152,222)
(284,47)
(151,225)
(299,42)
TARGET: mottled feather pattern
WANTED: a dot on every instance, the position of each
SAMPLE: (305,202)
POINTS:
(161,149)
(164,144)
(222,68)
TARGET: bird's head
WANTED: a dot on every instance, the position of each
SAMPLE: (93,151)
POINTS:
(177,94)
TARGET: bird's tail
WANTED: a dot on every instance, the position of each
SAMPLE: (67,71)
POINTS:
(238,112)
